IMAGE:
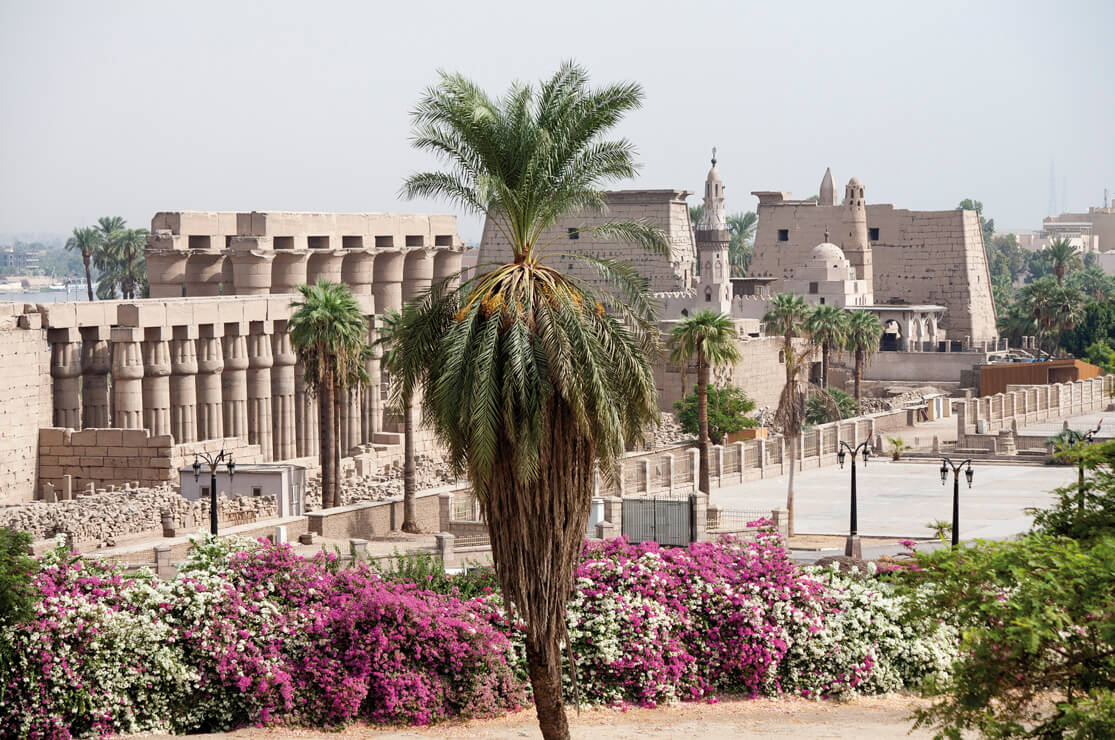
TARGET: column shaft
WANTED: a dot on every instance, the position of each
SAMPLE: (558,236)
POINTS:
(234,381)
(259,387)
(65,369)
(282,394)
(183,384)
(156,381)
(127,377)
(305,415)
(96,362)
(210,365)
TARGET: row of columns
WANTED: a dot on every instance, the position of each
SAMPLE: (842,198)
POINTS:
(236,379)
(251,266)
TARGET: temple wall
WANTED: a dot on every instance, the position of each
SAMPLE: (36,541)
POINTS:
(666,209)
(25,399)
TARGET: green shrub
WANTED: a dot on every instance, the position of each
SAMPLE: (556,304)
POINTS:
(17,569)
(727,412)
(830,404)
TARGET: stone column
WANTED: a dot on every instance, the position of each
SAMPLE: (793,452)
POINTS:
(418,273)
(305,416)
(156,380)
(234,380)
(127,377)
(282,393)
(204,273)
(325,260)
(288,270)
(183,384)
(356,270)
(259,387)
(210,365)
(350,420)
(251,258)
(65,368)
(447,265)
(166,271)
(96,362)
(387,287)
(372,422)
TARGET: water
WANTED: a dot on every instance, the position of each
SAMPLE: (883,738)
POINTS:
(48,296)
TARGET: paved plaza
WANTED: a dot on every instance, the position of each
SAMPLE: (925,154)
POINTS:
(899,499)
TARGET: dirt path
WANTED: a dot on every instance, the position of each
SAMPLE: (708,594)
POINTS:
(867,718)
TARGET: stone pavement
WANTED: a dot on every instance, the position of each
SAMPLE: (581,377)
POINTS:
(898,499)
(1084,423)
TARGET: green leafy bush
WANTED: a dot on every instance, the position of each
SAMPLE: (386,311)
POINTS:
(1096,517)
(831,404)
(727,412)
(17,570)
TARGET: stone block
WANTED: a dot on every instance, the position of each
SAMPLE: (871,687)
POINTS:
(62,314)
(162,440)
(109,437)
(134,437)
(84,438)
(51,436)
(31,321)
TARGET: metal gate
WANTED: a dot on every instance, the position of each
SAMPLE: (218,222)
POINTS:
(665,520)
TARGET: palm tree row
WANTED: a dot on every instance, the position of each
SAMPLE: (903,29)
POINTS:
(117,254)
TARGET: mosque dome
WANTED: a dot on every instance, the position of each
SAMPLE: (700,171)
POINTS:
(855,182)
(827,252)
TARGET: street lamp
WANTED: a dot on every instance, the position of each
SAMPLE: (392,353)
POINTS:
(1086,438)
(946,464)
(213,461)
(852,545)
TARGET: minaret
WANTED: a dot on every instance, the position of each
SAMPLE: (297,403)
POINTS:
(714,289)
(828,190)
(854,237)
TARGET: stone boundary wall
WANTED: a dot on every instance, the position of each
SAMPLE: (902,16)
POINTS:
(25,399)
(1023,405)
(71,460)
(374,518)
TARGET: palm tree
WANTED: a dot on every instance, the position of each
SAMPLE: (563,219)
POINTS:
(828,326)
(329,331)
(864,335)
(786,317)
(390,338)
(87,241)
(711,338)
(1094,283)
(1054,308)
(741,243)
(1015,322)
(120,261)
(1064,257)
(532,379)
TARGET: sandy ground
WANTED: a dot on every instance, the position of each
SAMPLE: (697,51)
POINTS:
(865,718)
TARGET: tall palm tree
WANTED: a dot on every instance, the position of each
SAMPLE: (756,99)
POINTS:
(1054,308)
(1015,322)
(87,241)
(711,339)
(1094,283)
(121,263)
(865,333)
(533,379)
(329,332)
(390,337)
(1064,257)
(828,326)
(741,244)
(786,317)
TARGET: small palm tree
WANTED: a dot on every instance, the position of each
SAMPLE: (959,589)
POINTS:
(390,338)
(786,317)
(329,332)
(87,241)
(534,380)
(864,336)
(828,326)
(711,339)
(741,244)
(1064,257)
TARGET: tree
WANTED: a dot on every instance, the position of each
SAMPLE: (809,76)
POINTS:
(87,241)
(709,338)
(1094,517)
(864,335)
(121,263)
(403,381)
(696,214)
(1055,308)
(1093,282)
(987,225)
(741,244)
(786,317)
(1097,323)
(728,410)
(534,380)
(1015,322)
(829,404)
(828,325)
(1064,257)
(329,332)
(1101,354)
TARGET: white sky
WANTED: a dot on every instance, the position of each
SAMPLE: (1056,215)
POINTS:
(134,107)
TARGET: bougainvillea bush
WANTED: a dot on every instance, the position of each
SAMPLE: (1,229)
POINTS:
(250,633)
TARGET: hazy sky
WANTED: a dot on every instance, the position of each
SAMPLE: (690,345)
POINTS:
(134,107)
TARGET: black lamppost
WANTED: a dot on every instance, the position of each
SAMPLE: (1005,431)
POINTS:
(945,465)
(852,546)
(213,462)
(1086,438)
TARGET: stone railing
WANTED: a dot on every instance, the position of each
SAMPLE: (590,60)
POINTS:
(979,418)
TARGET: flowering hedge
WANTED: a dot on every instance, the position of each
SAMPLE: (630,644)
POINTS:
(251,633)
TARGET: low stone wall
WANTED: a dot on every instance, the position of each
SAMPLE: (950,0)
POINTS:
(374,518)
(71,461)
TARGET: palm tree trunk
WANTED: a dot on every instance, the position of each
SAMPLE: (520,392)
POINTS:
(790,486)
(859,371)
(410,516)
(88,275)
(327,438)
(704,481)
(339,435)
(825,365)
(537,529)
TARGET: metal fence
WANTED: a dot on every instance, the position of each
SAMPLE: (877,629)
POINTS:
(667,520)
(466,507)
(728,521)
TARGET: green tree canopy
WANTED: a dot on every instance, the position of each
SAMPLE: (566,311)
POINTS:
(728,410)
